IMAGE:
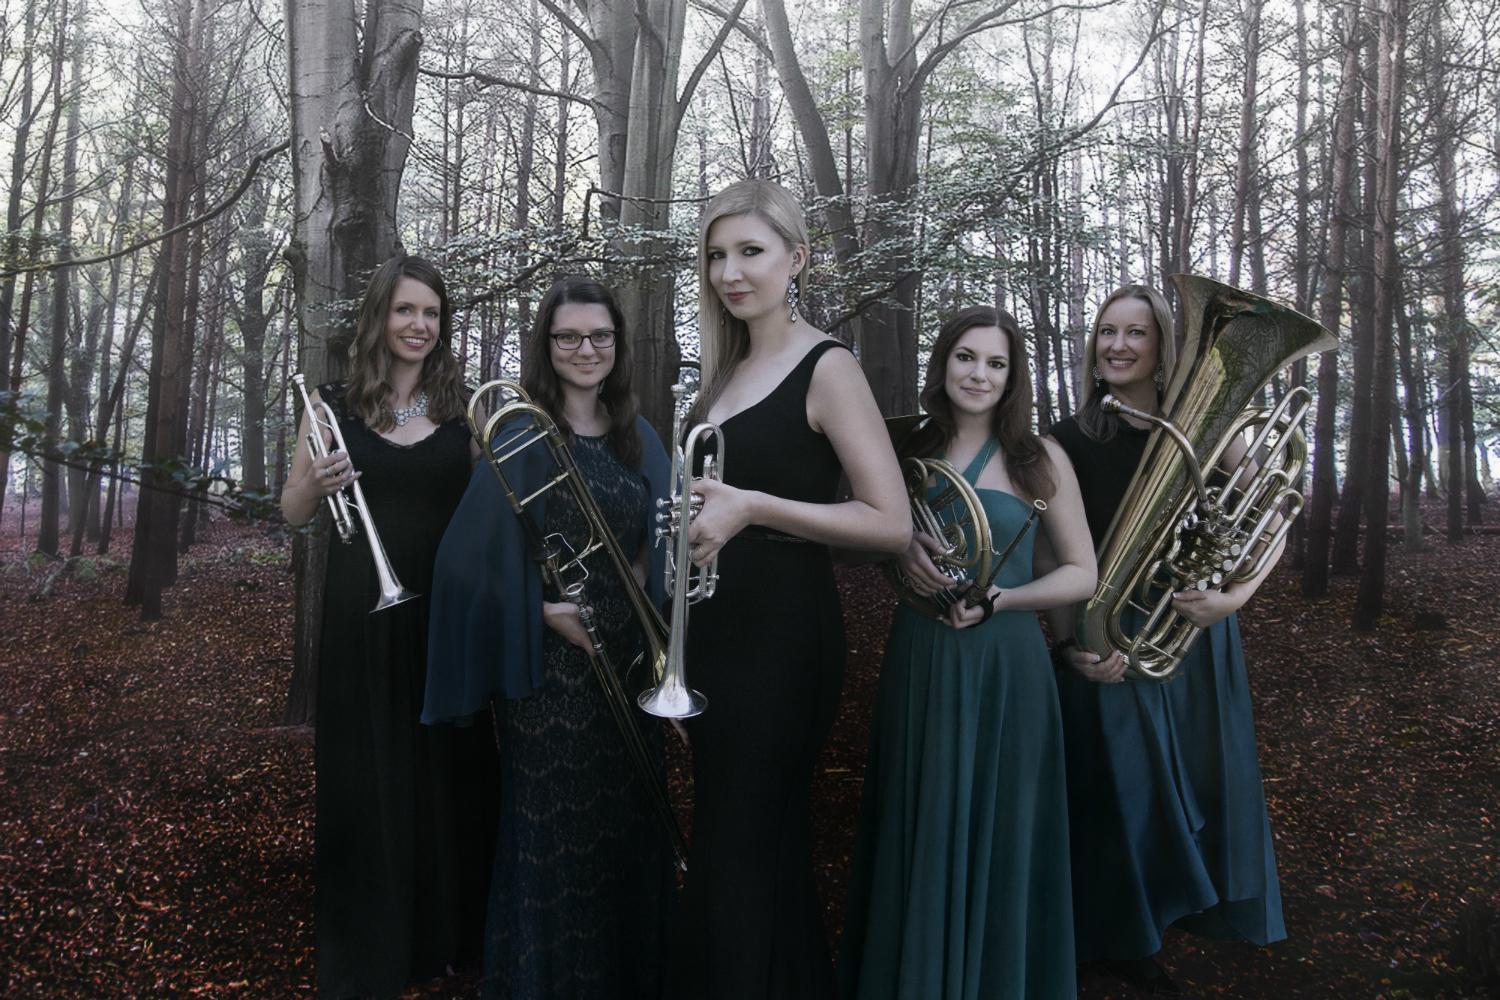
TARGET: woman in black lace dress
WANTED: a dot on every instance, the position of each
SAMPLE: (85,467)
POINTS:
(768,649)
(401,827)
(582,878)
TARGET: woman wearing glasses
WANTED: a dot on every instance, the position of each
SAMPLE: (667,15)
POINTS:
(582,876)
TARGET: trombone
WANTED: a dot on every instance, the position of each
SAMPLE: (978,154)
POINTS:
(562,566)
(350,500)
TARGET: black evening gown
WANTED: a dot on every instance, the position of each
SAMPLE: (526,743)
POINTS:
(583,874)
(768,652)
(404,815)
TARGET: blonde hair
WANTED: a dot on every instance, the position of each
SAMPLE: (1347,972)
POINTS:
(724,340)
(1092,419)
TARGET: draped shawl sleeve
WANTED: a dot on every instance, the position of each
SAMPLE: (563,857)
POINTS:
(484,638)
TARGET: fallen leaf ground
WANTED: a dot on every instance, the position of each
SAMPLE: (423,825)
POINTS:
(156,820)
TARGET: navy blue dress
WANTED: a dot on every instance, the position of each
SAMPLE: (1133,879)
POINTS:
(1168,814)
(582,881)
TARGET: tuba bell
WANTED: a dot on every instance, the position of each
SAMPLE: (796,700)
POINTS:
(1181,526)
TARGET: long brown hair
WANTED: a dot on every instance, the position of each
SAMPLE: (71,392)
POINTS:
(1092,420)
(369,391)
(723,340)
(616,393)
(1026,459)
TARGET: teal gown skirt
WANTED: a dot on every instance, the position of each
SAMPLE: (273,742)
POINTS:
(960,887)
(1168,814)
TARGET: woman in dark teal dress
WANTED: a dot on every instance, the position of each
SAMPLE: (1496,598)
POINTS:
(960,888)
(582,885)
(1168,814)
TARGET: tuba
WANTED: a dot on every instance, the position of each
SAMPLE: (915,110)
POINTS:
(562,564)
(349,502)
(1176,529)
(955,518)
(671,698)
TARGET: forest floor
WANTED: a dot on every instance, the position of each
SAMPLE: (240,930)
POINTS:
(156,819)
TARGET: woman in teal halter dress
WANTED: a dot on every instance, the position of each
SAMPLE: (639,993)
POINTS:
(960,887)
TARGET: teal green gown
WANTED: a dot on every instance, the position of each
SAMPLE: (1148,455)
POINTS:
(960,888)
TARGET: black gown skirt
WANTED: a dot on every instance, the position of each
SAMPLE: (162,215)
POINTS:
(405,812)
(768,652)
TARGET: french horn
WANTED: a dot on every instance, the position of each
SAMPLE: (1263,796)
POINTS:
(954,517)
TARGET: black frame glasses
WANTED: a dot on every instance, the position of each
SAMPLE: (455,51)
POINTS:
(600,339)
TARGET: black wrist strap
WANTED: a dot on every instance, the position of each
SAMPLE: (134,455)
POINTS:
(974,599)
(1060,651)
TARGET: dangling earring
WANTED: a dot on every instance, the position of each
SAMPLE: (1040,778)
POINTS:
(1098,379)
(792,297)
(1160,377)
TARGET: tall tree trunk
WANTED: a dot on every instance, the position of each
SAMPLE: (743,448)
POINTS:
(342,58)
(1302,263)
(26,116)
(1411,474)
(1245,160)
(153,560)
(1345,555)
(1370,599)
(48,528)
(1340,207)
(259,251)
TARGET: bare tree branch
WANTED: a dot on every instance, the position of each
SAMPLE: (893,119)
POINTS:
(208,216)
(489,80)
(713,50)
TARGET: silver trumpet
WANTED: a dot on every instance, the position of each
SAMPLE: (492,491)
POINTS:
(350,501)
(672,698)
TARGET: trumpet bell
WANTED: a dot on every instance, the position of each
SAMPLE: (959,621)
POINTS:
(391,598)
(672,699)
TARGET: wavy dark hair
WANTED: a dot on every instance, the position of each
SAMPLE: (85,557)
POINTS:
(540,380)
(1026,458)
(368,393)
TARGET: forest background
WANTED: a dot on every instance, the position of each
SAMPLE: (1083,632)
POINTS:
(197,190)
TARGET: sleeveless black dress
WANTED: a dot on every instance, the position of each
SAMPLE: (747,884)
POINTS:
(768,652)
(404,822)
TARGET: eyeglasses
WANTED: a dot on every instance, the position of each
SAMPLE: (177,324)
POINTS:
(571,340)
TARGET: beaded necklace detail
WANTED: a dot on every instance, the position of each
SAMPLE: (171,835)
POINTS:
(417,408)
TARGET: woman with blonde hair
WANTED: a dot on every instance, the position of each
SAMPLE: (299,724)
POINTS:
(1167,812)
(768,649)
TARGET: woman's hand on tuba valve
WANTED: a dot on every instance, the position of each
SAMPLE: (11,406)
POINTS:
(1208,607)
(916,562)
(1099,669)
(726,511)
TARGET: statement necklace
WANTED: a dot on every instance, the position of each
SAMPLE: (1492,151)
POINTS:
(418,408)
